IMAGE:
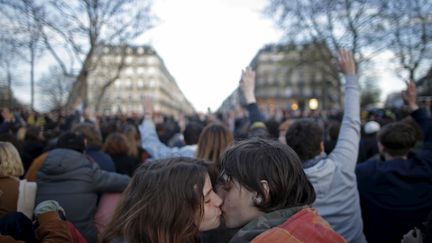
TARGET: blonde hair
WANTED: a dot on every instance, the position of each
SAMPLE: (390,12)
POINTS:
(213,141)
(10,161)
(133,137)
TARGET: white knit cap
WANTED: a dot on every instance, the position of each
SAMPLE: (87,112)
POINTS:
(371,127)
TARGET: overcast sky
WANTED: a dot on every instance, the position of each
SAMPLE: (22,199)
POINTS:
(205,44)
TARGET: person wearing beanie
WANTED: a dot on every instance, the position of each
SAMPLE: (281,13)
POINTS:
(368,143)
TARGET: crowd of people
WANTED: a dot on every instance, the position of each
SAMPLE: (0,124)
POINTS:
(215,178)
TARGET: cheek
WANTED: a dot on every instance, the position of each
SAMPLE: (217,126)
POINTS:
(210,218)
(207,214)
(229,201)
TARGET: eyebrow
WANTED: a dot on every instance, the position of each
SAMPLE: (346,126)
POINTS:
(208,193)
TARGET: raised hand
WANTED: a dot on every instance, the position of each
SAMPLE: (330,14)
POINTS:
(247,85)
(413,236)
(410,96)
(346,62)
(148,108)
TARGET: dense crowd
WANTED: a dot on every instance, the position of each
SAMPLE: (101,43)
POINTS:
(245,176)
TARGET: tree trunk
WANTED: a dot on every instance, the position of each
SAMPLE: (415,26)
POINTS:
(32,63)
(79,87)
(9,87)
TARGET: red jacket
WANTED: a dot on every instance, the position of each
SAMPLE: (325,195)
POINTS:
(305,226)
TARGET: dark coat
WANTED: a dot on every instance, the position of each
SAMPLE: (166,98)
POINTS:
(396,195)
(31,149)
(68,177)
(125,164)
(104,161)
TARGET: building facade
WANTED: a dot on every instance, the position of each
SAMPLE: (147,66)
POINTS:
(291,77)
(134,73)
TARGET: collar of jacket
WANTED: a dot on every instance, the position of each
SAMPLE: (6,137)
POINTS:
(314,161)
(264,223)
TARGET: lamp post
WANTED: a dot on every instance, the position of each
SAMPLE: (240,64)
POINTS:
(313,104)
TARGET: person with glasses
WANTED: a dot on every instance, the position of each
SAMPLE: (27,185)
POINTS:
(267,194)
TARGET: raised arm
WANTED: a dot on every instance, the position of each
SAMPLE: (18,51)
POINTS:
(104,181)
(420,116)
(346,149)
(410,96)
(247,86)
(150,140)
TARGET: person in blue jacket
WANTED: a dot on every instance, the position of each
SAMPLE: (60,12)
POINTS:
(396,192)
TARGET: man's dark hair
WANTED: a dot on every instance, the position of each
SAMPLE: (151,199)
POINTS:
(273,128)
(192,132)
(167,129)
(253,160)
(397,138)
(72,141)
(305,137)
(32,133)
(259,132)
(333,130)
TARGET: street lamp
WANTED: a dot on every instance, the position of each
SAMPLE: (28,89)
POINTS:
(313,104)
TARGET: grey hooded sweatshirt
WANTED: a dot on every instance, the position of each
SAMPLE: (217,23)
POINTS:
(333,176)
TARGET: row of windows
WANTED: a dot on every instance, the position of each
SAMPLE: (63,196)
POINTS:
(138,96)
(161,106)
(128,86)
(288,92)
(118,98)
(131,71)
(145,84)
(128,83)
(129,50)
(150,61)
(294,77)
(263,81)
(110,60)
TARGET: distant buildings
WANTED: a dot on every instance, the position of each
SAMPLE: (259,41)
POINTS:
(143,74)
(292,77)
(7,98)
